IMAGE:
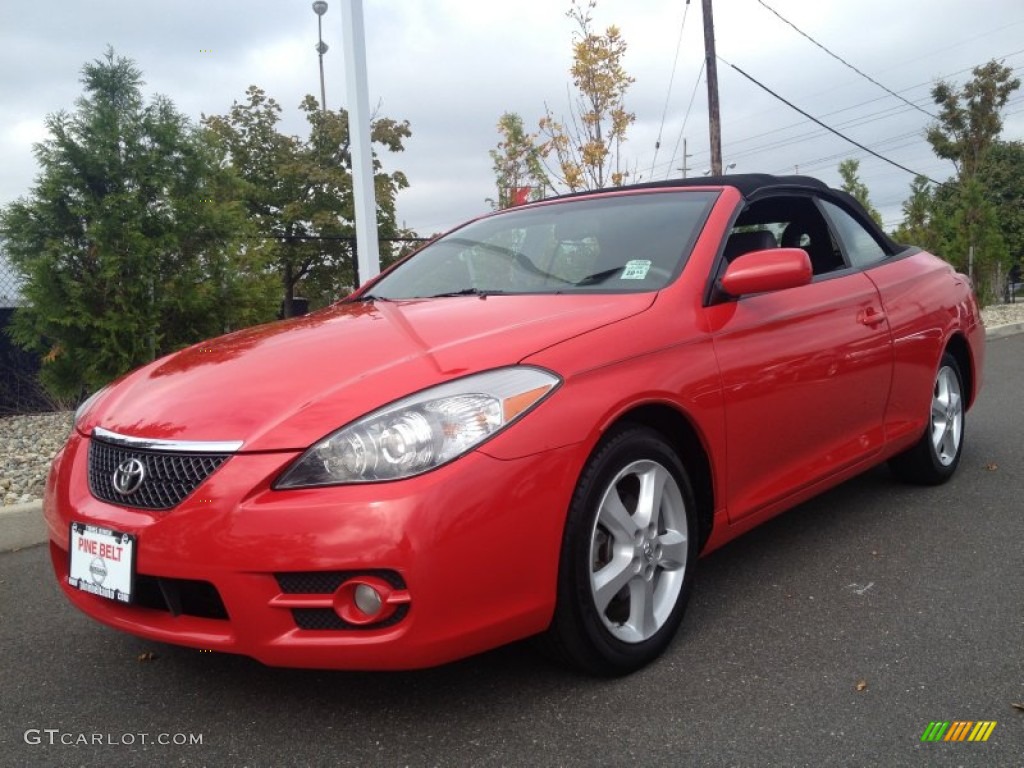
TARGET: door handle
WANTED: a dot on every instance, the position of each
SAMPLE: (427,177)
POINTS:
(870,317)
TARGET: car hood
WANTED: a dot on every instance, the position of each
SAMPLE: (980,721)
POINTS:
(285,385)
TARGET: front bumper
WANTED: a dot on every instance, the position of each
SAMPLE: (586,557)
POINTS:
(471,550)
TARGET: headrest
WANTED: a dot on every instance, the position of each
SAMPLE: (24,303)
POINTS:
(745,242)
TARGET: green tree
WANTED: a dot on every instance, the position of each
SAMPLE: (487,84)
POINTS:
(1003,172)
(970,121)
(971,236)
(517,162)
(988,213)
(298,192)
(916,228)
(852,185)
(586,148)
(130,243)
(968,126)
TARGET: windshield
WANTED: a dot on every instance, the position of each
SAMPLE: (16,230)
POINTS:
(620,243)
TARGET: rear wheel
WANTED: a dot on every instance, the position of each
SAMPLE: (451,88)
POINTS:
(628,556)
(935,457)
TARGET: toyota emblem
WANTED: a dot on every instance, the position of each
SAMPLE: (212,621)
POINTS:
(128,477)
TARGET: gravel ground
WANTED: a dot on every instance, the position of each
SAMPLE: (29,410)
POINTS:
(1003,314)
(28,443)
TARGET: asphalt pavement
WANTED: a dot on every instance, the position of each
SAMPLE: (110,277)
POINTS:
(831,636)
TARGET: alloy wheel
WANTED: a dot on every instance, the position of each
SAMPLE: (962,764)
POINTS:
(638,551)
(947,416)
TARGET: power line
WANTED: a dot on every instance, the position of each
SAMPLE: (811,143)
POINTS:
(875,116)
(871,101)
(807,136)
(809,116)
(686,117)
(840,59)
(935,51)
(814,133)
(671,79)
(823,162)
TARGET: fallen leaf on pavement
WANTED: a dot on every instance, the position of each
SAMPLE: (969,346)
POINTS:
(992,467)
(862,685)
(147,656)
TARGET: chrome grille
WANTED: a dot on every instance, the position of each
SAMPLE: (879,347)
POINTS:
(168,479)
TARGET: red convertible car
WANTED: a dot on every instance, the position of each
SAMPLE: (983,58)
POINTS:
(534,426)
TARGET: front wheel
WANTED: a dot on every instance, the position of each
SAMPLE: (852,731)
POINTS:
(935,457)
(628,556)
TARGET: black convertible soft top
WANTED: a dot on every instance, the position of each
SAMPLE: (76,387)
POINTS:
(749,184)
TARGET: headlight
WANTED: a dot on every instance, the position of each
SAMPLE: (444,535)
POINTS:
(423,431)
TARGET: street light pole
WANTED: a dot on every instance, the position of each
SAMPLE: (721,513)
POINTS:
(363,193)
(320,8)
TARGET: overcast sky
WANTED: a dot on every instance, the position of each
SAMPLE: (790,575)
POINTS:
(451,67)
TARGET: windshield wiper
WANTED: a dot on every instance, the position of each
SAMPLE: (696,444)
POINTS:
(369,297)
(598,277)
(521,260)
(483,294)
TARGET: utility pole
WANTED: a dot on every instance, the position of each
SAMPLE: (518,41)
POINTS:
(711,65)
(686,156)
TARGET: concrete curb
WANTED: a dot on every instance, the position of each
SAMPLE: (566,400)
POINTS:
(1004,330)
(22,525)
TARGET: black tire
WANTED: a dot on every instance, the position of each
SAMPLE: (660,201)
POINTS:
(935,457)
(614,639)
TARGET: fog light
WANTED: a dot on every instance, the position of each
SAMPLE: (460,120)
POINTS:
(368,599)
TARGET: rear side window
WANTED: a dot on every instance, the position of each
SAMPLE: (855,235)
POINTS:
(862,249)
(793,222)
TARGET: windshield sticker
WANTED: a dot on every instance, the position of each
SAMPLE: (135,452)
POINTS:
(636,269)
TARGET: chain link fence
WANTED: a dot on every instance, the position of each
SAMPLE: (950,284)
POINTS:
(19,389)
(10,285)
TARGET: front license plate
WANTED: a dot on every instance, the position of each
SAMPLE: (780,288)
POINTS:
(102,562)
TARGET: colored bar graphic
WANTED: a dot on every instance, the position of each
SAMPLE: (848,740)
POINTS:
(958,730)
(982,731)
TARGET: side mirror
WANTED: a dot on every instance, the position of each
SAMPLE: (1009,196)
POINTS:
(774,269)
